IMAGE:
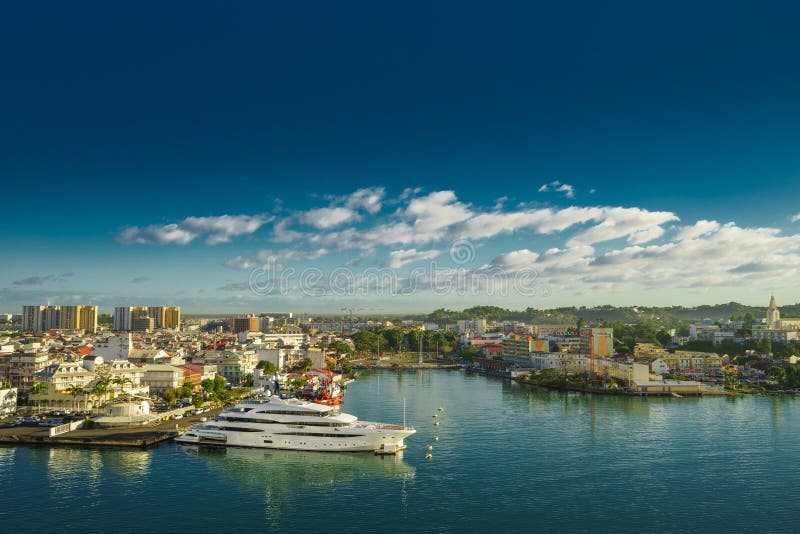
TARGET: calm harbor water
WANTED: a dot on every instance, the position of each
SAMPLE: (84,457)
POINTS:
(509,458)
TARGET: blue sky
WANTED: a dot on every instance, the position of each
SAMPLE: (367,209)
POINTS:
(234,123)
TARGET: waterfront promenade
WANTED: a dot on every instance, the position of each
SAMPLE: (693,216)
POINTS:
(138,436)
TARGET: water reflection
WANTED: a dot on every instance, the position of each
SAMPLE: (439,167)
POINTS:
(132,464)
(281,473)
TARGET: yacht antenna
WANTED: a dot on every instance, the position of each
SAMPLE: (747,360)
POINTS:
(404,412)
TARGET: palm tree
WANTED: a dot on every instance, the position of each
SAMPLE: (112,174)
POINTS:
(37,389)
(100,390)
(74,390)
(121,381)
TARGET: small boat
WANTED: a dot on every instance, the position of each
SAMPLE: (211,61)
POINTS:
(441,408)
(429,457)
(429,447)
(435,438)
(677,396)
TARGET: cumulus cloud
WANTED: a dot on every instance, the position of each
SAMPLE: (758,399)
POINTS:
(399,258)
(728,256)
(324,218)
(216,229)
(796,217)
(589,248)
(698,229)
(638,225)
(369,199)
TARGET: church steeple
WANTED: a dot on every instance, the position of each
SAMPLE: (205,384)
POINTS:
(773,314)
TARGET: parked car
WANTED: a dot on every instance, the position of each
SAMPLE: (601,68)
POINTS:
(177,416)
(51,422)
(9,424)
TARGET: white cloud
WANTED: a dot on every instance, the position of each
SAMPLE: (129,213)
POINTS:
(698,229)
(436,211)
(796,217)
(399,258)
(558,187)
(324,218)
(368,199)
(218,230)
(268,257)
(638,225)
(222,229)
(590,248)
(729,257)
(567,189)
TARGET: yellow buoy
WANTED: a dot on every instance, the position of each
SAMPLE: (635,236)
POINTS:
(429,447)
(429,457)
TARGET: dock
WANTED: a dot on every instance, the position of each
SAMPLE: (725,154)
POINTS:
(138,437)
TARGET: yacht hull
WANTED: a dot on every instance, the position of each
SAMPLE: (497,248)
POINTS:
(281,440)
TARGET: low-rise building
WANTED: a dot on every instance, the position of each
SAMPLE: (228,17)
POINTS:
(8,401)
(161,377)
(24,366)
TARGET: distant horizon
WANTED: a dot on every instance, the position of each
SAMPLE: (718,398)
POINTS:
(368,313)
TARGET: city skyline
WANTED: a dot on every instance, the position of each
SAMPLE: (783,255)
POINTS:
(618,160)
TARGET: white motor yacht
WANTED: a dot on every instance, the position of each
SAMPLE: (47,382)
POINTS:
(289,423)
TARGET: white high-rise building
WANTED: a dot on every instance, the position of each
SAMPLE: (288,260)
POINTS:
(32,318)
(114,348)
(123,318)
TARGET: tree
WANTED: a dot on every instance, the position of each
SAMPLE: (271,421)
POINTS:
(248,380)
(186,390)
(469,352)
(267,366)
(303,365)
(730,382)
(777,373)
(169,396)
(663,337)
(99,390)
(219,384)
(74,390)
(39,387)
(197,400)
(340,347)
(207,385)
(121,381)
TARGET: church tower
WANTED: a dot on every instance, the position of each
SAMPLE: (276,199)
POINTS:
(773,314)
